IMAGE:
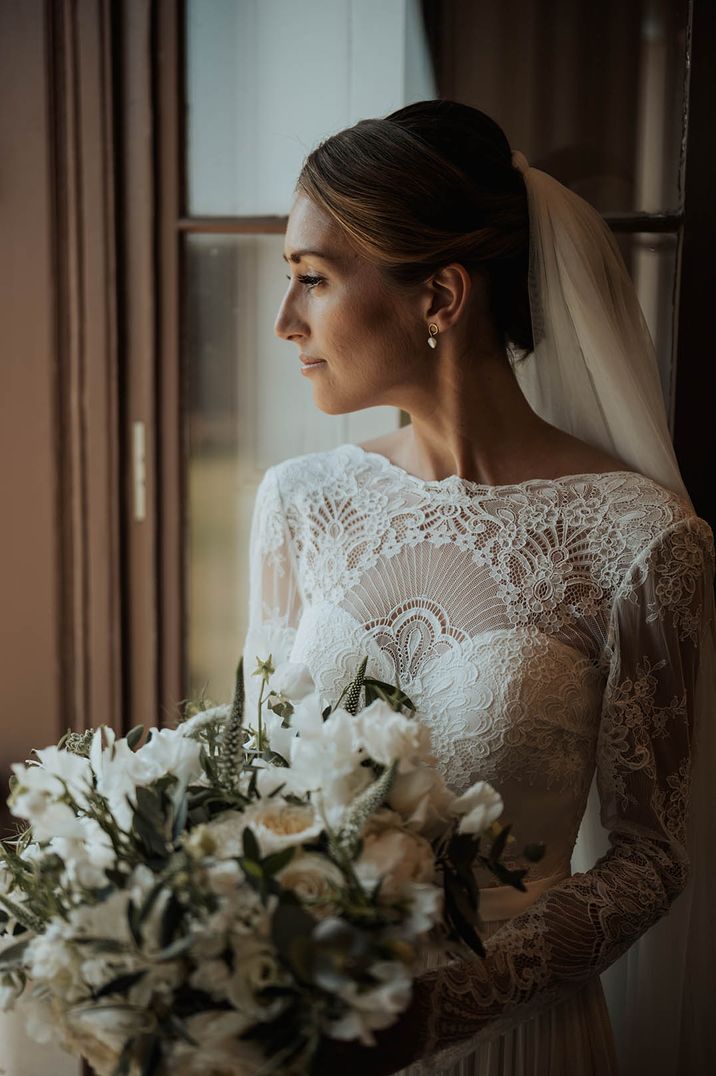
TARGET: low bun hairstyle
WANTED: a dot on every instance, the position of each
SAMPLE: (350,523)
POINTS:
(431,184)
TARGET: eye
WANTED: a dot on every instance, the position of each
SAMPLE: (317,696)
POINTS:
(308,281)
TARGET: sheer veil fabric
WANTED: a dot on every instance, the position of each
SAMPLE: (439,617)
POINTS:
(593,373)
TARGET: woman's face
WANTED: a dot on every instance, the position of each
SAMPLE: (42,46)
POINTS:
(337,308)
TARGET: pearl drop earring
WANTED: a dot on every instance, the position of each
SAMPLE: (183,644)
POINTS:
(433,330)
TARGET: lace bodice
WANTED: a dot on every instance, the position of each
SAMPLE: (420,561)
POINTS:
(544,630)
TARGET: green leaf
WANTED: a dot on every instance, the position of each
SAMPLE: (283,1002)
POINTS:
(462,925)
(171,952)
(251,867)
(102,945)
(179,1028)
(13,955)
(510,877)
(290,924)
(121,985)
(498,845)
(134,736)
(172,917)
(125,1059)
(463,849)
(135,926)
(149,901)
(251,845)
(180,818)
(278,860)
(152,1055)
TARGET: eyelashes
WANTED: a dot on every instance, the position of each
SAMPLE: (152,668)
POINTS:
(308,281)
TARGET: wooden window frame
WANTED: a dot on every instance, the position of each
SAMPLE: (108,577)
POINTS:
(695,226)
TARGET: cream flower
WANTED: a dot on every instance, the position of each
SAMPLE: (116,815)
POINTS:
(478,807)
(423,800)
(315,879)
(278,825)
(396,856)
(255,968)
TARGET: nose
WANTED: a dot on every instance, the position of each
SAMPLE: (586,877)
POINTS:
(287,325)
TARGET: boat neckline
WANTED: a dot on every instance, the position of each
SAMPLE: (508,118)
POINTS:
(452,479)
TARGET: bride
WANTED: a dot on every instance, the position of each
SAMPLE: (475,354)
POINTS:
(524,558)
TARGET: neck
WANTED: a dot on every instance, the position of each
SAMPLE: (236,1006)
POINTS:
(474,422)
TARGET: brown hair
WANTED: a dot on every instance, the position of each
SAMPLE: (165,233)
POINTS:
(430,184)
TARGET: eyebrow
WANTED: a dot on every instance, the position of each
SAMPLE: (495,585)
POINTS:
(298,254)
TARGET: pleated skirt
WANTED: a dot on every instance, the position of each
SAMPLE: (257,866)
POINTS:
(570,1038)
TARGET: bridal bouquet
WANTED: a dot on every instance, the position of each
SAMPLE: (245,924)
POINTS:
(215,898)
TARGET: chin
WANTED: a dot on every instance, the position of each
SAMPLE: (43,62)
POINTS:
(331,403)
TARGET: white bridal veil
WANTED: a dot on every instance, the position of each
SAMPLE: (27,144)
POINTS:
(593,373)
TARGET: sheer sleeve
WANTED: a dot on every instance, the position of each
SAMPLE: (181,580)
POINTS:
(275,597)
(580,926)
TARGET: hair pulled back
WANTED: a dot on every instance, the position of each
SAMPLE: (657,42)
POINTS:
(431,184)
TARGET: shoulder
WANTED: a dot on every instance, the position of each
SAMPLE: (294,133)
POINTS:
(300,477)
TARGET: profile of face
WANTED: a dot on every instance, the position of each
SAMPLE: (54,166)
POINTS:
(337,308)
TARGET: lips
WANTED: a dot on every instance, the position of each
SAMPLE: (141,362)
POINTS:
(308,361)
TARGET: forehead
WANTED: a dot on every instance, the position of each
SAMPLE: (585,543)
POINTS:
(311,232)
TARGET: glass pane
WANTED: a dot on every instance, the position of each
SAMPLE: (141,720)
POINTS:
(227,324)
(247,406)
(593,93)
(651,261)
(266,80)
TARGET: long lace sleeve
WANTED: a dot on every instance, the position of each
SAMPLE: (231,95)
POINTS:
(275,598)
(576,929)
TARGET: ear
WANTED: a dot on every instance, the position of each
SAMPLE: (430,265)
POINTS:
(448,294)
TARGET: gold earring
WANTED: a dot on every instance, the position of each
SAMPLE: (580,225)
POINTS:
(433,330)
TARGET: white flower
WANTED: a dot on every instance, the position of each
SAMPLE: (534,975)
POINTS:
(423,800)
(87,855)
(387,735)
(225,877)
(330,760)
(314,879)
(396,856)
(278,825)
(292,679)
(167,751)
(479,806)
(118,770)
(255,968)
(426,908)
(378,1006)
(51,959)
(41,786)
(220,1049)
(212,977)
(215,715)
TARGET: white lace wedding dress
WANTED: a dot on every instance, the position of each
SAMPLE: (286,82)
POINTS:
(542,629)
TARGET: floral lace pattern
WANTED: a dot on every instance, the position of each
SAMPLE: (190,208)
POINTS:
(544,630)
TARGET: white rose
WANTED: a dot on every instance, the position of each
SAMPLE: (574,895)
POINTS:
(396,856)
(386,735)
(278,825)
(255,968)
(314,879)
(478,807)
